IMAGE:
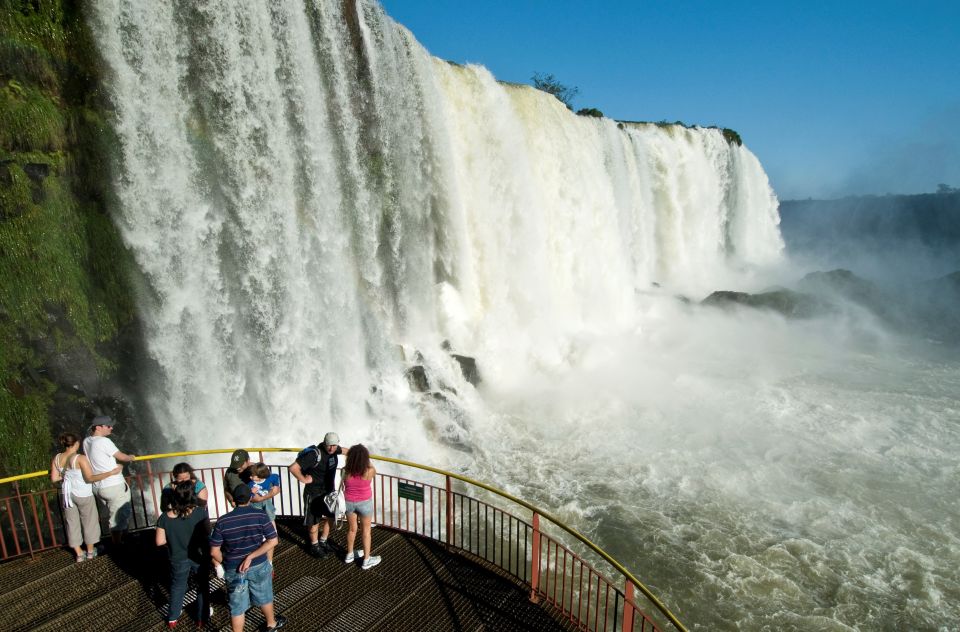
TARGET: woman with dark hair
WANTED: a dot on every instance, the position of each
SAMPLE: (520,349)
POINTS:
(185,529)
(181,473)
(76,495)
(358,492)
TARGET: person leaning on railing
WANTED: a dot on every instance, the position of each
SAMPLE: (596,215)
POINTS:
(79,506)
(113,490)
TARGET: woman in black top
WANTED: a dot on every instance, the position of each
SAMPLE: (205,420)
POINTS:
(185,529)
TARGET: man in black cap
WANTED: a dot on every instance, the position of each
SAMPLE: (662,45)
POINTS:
(316,468)
(112,491)
(237,474)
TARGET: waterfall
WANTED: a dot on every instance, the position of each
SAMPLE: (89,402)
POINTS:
(305,190)
(315,204)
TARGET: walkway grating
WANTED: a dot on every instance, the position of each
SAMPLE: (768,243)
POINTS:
(419,586)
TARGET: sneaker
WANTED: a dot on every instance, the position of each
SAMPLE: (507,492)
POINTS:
(90,555)
(171,625)
(348,559)
(281,621)
(317,550)
(360,554)
(81,558)
(370,562)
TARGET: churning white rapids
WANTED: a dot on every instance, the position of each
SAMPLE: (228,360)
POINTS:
(314,204)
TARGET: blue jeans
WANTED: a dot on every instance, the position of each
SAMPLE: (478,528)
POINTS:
(256,585)
(179,574)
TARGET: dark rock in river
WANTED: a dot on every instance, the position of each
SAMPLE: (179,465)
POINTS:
(846,285)
(786,302)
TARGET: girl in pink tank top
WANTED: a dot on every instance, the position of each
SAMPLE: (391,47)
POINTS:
(358,492)
(357,489)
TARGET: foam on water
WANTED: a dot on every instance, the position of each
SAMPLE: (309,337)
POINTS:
(765,475)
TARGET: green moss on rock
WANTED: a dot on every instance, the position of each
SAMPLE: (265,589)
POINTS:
(65,302)
(30,119)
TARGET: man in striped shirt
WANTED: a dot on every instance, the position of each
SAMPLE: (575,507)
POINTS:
(240,542)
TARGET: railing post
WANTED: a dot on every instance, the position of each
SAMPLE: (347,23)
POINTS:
(628,606)
(449,512)
(23,516)
(535,561)
(153,492)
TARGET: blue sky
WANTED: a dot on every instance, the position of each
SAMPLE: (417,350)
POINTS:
(835,98)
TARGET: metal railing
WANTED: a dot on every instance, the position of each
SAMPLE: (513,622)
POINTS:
(460,512)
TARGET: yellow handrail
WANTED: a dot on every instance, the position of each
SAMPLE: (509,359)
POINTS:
(150,457)
(596,549)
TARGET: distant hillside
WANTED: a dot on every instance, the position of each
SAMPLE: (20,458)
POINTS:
(931,219)
(902,236)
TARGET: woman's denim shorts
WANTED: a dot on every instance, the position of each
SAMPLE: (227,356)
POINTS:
(364,507)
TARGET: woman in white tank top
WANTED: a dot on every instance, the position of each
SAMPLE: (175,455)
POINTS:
(79,506)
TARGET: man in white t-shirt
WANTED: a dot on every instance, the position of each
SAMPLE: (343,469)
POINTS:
(112,491)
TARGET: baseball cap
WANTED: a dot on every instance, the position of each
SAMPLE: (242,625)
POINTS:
(331,438)
(241,494)
(102,420)
(239,457)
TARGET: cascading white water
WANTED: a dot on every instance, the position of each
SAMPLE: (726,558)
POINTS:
(305,190)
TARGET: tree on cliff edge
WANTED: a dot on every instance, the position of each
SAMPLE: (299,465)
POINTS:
(548,83)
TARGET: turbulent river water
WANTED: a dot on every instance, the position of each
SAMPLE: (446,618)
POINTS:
(315,204)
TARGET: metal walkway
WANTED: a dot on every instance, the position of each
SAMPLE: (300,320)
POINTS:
(418,586)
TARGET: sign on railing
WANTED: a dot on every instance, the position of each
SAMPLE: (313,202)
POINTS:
(410,492)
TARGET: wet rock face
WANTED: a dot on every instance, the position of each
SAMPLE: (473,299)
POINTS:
(468,366)
(417,378)
(36,171)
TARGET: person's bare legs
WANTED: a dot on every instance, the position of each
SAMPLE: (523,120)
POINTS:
(367,546)
(77,551)
(236,623)
(268,615)
(314,531)
(351,532)
(270,552)
(327,523)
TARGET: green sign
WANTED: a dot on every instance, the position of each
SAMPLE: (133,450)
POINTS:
(410,491)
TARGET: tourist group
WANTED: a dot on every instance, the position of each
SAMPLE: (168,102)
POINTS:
(239,547)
